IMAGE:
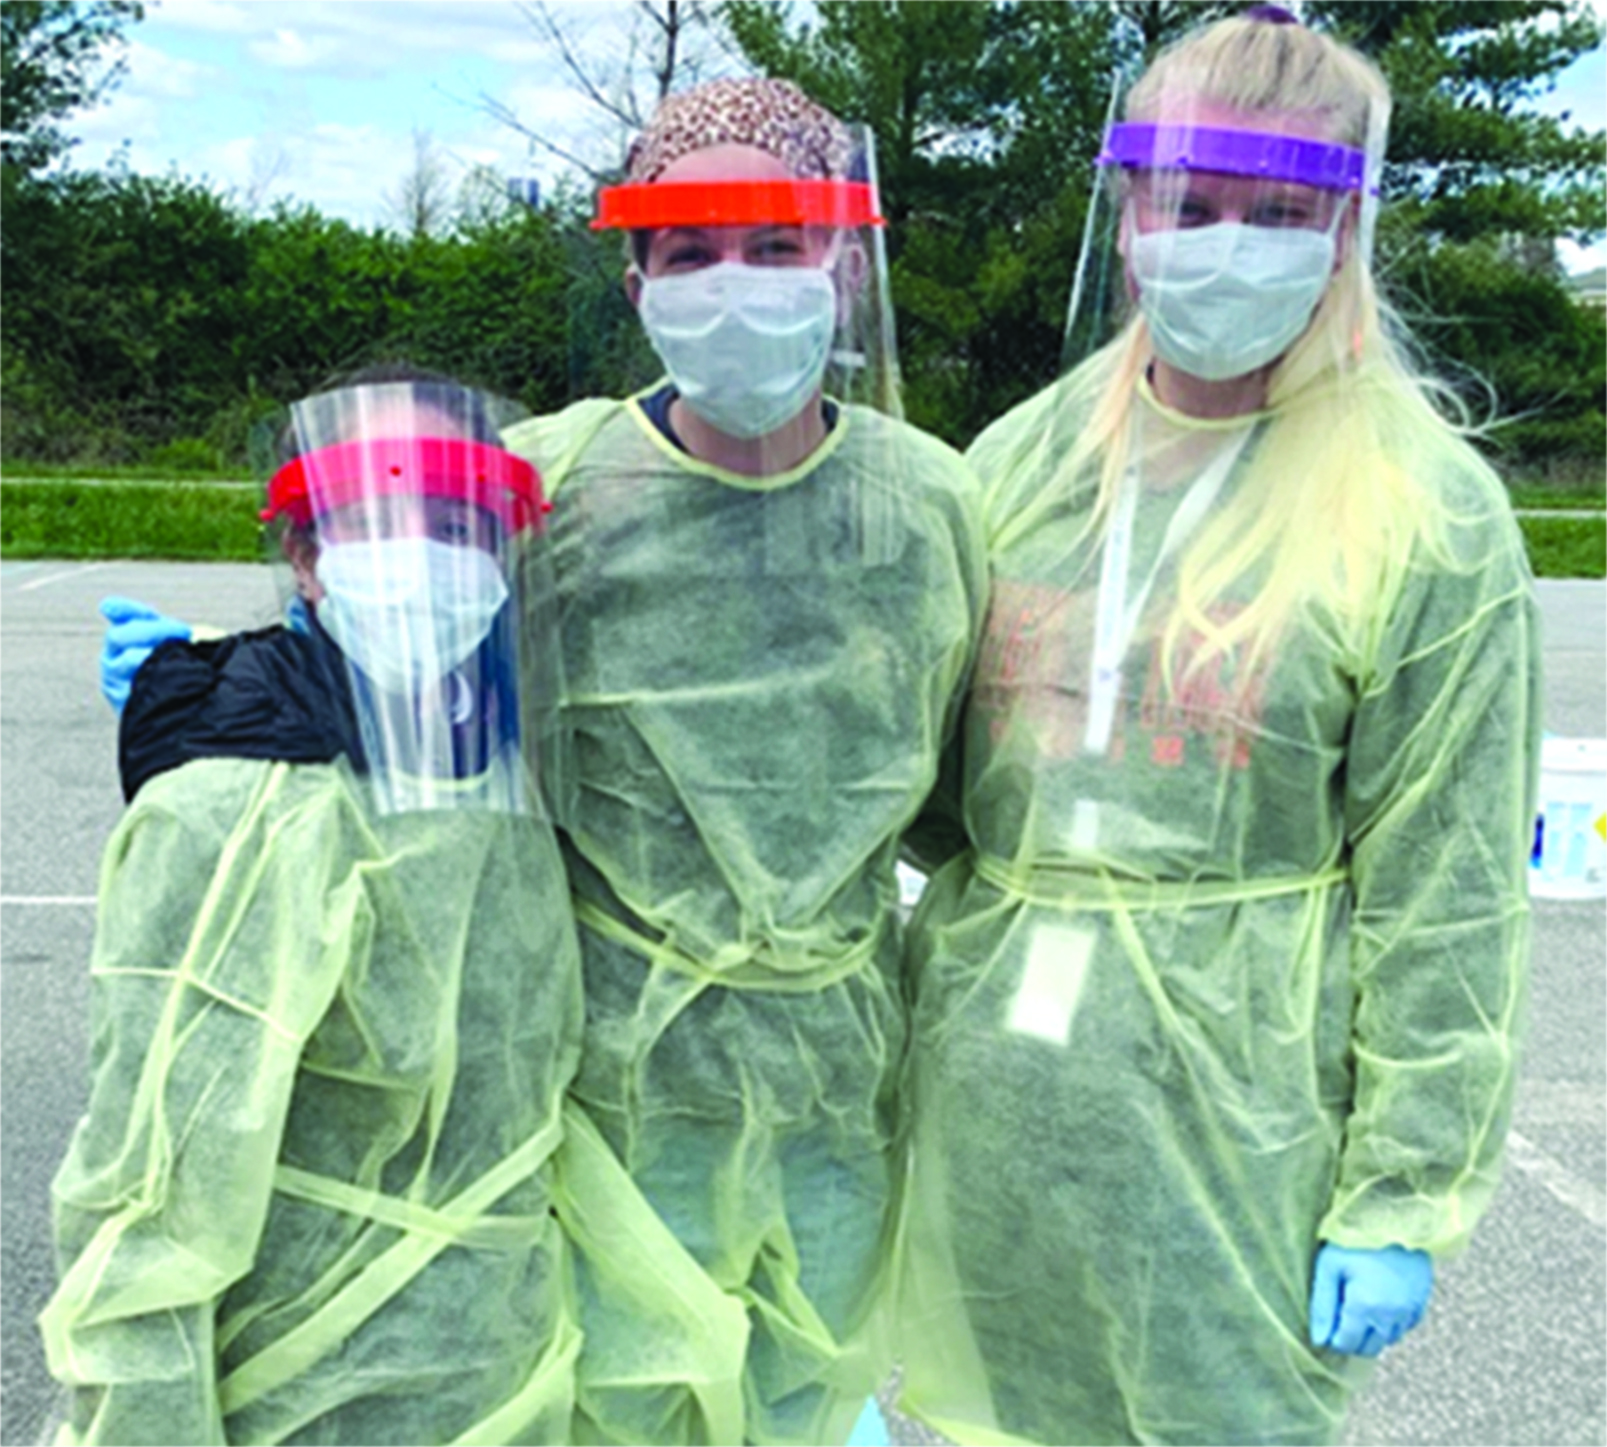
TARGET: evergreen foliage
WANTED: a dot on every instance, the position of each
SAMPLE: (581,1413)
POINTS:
(154,317)
(987,118)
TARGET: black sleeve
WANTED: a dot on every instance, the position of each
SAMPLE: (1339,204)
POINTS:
(272,694)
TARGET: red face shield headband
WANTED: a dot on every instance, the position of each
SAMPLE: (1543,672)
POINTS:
(451,467)
(653,205)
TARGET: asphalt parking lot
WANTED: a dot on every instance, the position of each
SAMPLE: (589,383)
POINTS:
(1515,1347)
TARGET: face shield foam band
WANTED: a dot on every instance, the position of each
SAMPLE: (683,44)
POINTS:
(655,204)
(1140,145)
(450,467)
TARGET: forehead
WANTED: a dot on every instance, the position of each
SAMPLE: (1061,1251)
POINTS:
(725,237)
(727,161)
(1224,188)
(1227,188)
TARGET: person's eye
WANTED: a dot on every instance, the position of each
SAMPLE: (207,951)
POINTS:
(782,249)
(1192,212)
(1281,213)
(688,257)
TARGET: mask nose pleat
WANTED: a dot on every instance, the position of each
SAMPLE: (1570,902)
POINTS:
(1223,300)
(745,346)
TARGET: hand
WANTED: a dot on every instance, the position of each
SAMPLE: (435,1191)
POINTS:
(133,631)
(1364,1301)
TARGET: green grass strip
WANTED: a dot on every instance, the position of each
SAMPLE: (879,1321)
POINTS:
(1566,547)
(129,520)
(200,521)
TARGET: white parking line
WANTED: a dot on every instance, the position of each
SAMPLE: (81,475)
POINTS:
(1581,1196)
(68,899)
(57,577)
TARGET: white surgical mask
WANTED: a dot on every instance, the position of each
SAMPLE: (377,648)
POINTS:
(1227,299)
(746,346)
(408,610)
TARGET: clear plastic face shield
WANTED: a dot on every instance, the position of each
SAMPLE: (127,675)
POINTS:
(765,297)
(1224,228)
(412,542)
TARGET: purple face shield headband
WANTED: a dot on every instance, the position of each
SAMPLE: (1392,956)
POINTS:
(1141,145)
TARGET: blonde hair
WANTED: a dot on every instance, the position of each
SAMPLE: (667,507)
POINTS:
(1330,505)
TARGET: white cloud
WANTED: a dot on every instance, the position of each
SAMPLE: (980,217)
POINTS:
(290,50)
(496,31)
(365,37)
(213,16)
(141,109)
(1577,259)
(344,171)
(231,166)
(232,159)
(152,73)
(351,157)
(549,107)
(316,100)
(125,117)
(557,114)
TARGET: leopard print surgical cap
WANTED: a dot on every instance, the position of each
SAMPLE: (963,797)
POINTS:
(773,115)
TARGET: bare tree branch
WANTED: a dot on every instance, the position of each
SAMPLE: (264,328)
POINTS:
(498,111)
(539,16)
(656,54)
(670,24)
(422,201)
(267,168)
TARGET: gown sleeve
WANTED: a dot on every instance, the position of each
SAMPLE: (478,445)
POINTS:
(1439,814)
(228,910)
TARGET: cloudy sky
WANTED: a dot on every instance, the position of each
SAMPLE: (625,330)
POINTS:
(319,100)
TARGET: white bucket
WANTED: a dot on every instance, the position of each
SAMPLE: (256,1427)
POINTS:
(1570,854)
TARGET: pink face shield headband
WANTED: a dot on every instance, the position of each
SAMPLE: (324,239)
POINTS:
(451,467)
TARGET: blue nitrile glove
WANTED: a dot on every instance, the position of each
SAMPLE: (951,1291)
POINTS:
(870,1430)
(133,631)
(1364,1301)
